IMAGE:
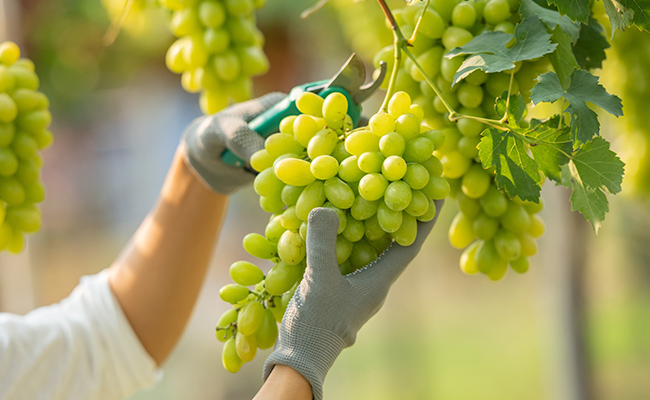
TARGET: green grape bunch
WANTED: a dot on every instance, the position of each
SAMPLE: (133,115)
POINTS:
(380,180)
(494,229)
(24,122)
(218,50)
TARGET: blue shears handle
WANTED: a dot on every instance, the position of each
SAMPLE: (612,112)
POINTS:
(269,122)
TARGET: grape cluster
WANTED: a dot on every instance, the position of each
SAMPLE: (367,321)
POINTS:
(497,229)
(380,180)
(219,49)
(24,122)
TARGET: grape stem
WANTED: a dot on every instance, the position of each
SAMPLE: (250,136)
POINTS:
(398,42)
(116,24)
(559,125)
(505,114)
(313,9)
(417,26)
(452,113)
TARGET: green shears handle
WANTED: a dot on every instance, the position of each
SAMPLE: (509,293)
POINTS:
(269,121)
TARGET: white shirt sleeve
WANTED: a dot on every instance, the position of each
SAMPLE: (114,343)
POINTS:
(82,348)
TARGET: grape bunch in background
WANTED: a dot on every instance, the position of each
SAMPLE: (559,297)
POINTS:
(495,229)
(218,50)
(380,180)
(24,122)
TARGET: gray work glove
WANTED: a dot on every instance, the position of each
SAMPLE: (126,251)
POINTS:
(328,309)
(206,138)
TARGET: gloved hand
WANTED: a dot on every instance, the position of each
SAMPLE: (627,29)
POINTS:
(328,309)
(207,137)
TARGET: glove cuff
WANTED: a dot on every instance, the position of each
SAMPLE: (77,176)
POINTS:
(309,350)
(218,177)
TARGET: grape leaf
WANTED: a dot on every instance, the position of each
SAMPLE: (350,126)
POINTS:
(593,171)
(584,88)
(641,9)
(619,16)
(550,147)
(550,18)
(516,172)
(598,166)
(589,50)
(592,203)
(563,59)
(577,10)
(489,52)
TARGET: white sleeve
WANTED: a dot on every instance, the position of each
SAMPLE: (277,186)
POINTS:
(80,348)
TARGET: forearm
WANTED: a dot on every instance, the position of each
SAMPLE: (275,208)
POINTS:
(159,275)
(285,383)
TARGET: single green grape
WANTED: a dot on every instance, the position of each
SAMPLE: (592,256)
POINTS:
(461,231)
(372,186)
(339,193)
(398,195)
(246,273)
(311,104)
(231,361)
(291,247)
(250,317)
(233,293)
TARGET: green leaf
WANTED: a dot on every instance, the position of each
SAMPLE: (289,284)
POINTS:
(589,50)
(489,51)
(641,9)
(584,88)
(562,59)
(592,203)
(619,16)
(516,172)
(577,10)
(593,171)
(598,166)
(550,18)
(517,108)
(551,147)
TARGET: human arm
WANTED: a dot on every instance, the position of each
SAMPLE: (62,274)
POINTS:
(328,309)
(285,383)
(158,276)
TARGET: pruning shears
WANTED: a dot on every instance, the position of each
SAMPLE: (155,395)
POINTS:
(349,81)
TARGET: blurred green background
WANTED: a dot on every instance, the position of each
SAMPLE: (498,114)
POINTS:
(577,326)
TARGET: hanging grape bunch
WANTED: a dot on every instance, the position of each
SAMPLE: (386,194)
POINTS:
(380,180)
(488,143)
(218,51)
(24,122)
